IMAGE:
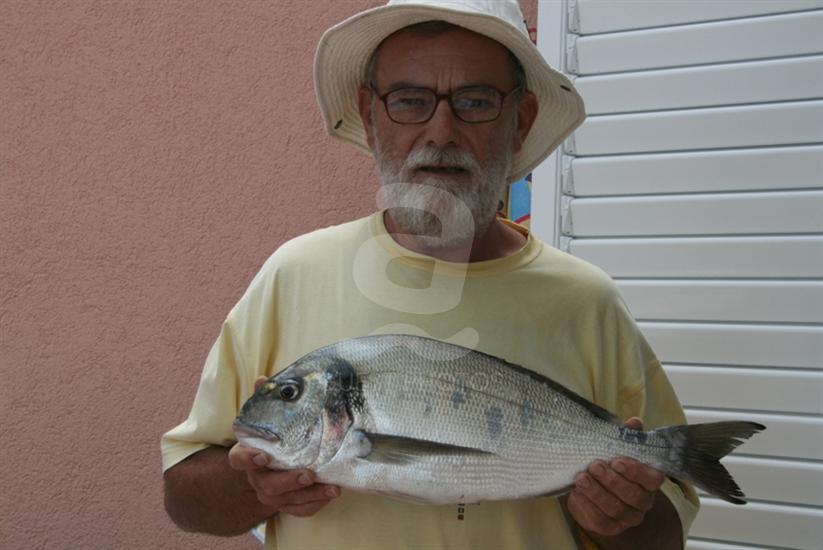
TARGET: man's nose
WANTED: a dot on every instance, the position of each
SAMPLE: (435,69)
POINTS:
(442,127)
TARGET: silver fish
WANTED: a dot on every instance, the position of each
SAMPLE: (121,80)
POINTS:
(432,422)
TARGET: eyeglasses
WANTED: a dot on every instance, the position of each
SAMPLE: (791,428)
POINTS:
(417,105)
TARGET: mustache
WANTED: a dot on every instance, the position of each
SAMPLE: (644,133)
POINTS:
(432,156)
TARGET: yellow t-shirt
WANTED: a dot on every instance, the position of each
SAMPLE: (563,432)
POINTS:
(539,308)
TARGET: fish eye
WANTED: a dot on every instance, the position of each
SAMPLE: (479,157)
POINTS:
(289,390)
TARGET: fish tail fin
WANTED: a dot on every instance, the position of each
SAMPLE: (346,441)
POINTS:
(696,451)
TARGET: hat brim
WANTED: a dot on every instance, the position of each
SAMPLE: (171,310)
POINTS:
(344,51)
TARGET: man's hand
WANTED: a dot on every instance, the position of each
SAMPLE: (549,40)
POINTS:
(292,492)
(611,498)
(226,492)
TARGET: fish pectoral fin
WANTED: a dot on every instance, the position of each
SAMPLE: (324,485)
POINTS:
(395,449)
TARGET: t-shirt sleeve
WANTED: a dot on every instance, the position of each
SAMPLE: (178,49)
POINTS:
(214,408)
(241,353)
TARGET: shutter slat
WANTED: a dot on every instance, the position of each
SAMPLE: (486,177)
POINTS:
(746,39)
(726,84)
(787,481)
(784,436)
(762,524)
(742,388)
(735,301)
(797,346)
(745,257)
(596,16)
(703,544)
(750,125)
(731,170)
(730,214)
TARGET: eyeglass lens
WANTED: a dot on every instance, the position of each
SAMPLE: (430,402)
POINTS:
(413,105)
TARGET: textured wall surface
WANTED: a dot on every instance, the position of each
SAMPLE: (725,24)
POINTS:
(152,155)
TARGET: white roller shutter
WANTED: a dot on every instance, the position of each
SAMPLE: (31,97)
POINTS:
(697,183)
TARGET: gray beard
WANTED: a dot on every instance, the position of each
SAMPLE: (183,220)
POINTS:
(441,214)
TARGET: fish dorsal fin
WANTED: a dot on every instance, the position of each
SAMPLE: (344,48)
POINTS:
(395,449)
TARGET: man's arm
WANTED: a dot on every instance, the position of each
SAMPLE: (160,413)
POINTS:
(226,492)
(620,506)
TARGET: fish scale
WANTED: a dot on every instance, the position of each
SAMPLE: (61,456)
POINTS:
(433,422)
(397,395)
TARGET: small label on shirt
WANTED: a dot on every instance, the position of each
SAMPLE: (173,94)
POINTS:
(462,508)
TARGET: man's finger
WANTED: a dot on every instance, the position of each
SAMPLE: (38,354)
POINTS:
(629,492)
(304,510)
(634,423)
(259,382)
(319,492)
(589,516)
(645,476)
(244,458)
(609,504)
(315,493)
(272,483)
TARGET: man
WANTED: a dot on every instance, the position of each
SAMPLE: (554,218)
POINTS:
(454,102)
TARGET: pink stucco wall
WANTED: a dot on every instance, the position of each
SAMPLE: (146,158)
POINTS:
(152,155)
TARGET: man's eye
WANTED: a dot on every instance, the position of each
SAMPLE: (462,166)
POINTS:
(473,104)
(404,103)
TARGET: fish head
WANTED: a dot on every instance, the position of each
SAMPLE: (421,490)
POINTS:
(300,416)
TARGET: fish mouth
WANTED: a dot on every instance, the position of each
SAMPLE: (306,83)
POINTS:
(253,431)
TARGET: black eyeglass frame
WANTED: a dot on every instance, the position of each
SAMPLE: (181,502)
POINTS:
(448,98)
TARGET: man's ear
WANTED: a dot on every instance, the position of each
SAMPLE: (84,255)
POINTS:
(526,114)
(364,107)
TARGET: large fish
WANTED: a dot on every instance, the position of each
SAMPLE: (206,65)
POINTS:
(432,422)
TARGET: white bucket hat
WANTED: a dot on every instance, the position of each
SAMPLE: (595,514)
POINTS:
(344,51)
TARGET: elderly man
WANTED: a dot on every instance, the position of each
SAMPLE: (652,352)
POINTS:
(454,102)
